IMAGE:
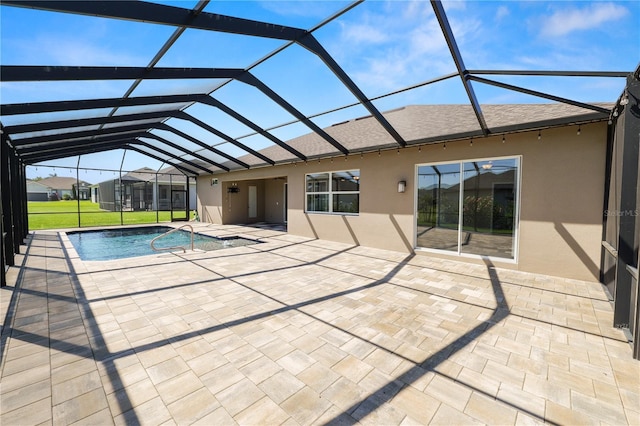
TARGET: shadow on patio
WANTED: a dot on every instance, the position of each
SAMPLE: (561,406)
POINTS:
(306,331)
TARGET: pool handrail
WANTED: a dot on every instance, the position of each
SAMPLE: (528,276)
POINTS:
(154,248)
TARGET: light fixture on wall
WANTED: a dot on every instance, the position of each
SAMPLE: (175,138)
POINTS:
(578,132)
(471,142)
(402,186)
(233,188)
(539,135)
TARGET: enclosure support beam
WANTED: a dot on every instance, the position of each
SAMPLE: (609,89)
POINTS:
(538,94)
(8,229)
(629,125)
(441,15)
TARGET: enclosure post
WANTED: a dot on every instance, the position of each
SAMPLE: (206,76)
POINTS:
(157,198)
(7,211)
(78,188)
(187,202)
(25,209)
(629,126)
(16,201)
(120,183)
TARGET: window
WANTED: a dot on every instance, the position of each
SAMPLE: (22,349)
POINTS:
(333,192)
(469,207)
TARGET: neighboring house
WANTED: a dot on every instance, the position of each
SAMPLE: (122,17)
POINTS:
(528,199)
(37,191)
(57,187)
(146,189)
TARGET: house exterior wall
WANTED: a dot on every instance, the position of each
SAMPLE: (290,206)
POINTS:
(37,192)
(561,197)
(236,204)
(274,200)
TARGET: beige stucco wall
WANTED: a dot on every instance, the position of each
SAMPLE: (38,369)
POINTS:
(274,200)
(561,197)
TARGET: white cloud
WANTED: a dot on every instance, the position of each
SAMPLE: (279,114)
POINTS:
(364,34)
(63,50)
(593,16)
(501,13)
(67,51)
(313,9)
(393,46)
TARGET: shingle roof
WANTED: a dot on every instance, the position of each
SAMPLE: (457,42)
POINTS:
(147,174)
(59,182)
(419,124)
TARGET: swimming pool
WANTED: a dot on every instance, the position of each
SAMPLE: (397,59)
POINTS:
(121,243)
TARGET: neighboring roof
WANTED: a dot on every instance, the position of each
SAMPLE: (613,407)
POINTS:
(147,174)
(32,186)
(422,124)
(59,182)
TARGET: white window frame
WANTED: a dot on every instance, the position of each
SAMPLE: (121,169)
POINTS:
(516,230)
(330,193)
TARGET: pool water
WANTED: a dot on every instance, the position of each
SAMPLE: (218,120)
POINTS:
(131,242)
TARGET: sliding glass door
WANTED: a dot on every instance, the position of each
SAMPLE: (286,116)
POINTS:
(469,207)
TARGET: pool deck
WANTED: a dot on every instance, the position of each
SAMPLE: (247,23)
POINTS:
(301,331)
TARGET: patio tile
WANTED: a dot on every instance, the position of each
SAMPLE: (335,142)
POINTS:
(35,413)
(489,411)
(419,406)
(559,414)
(447,415)
(193,406)
(24,396)
(178,387)
(76,387)
(260,369)
(152,412)
(263,412)
(80,407)
(448,392)
(318,377)
(344,394)
(221,378)
(295,361)
(305,406)
(123,400)
(173,340)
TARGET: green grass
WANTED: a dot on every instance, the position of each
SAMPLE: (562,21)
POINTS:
(64,214)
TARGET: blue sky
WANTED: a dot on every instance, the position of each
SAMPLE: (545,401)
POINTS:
(383,45)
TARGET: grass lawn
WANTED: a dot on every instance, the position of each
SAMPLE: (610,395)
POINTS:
(63,214)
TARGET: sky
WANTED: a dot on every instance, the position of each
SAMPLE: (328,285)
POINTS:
(384,46)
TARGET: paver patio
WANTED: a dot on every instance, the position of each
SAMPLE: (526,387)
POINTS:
(301,331)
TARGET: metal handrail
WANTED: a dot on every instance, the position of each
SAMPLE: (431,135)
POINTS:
(154,248)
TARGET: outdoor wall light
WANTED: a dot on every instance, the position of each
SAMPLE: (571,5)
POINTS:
(402,186)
